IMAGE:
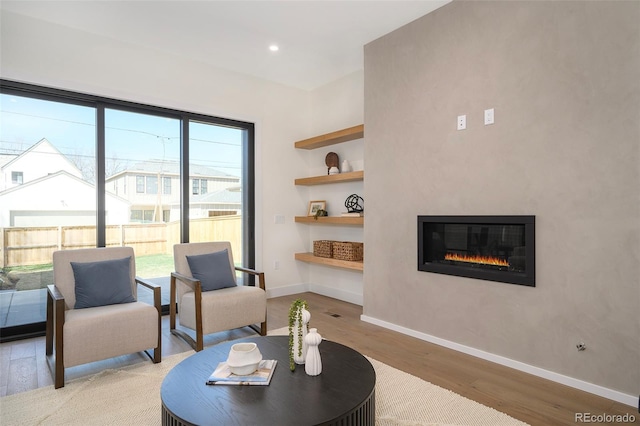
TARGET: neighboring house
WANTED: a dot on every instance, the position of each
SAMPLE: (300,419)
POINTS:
(219,203)
(57,199)
(153,188)
(42,187)
(41,159)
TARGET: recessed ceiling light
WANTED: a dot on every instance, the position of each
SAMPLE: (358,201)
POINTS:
(274,48)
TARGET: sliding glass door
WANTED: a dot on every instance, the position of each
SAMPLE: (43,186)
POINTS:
(81,171)
(142,172)
(47,197)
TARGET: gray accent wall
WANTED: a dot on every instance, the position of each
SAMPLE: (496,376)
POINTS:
(564,79)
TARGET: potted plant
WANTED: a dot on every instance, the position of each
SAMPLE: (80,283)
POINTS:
(320,213)
(299,317)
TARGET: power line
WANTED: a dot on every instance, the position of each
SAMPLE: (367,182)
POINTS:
(120,129)
(211,163)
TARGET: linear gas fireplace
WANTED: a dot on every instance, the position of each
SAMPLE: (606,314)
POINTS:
(495,248)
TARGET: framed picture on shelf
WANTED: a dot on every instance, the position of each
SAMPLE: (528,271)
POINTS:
(314,206)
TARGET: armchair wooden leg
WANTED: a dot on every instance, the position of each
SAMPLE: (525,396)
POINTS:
(54,350)
(199,328)
(172,304)
(157,352)
(59,355)
(197,344)
(262,330)
(49,326)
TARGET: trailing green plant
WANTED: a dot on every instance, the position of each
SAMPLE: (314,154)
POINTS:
(295,314)
(319,213)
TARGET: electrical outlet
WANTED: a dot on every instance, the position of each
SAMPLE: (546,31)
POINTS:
(276,265)
(462,122)
(278,219)
(488,116)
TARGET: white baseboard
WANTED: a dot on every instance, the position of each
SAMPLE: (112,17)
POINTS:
(614,395)
(287,290)
(335,293)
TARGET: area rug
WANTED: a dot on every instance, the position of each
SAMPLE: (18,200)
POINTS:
(131,396)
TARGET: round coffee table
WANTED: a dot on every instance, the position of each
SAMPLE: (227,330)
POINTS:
(343,394)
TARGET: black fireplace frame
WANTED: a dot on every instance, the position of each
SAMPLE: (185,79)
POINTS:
(526,278)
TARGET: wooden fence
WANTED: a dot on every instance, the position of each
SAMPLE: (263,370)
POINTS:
(35,245)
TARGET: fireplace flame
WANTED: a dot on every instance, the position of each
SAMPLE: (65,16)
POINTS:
(484,260)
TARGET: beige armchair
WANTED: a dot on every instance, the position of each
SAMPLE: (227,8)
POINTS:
(208,297)
(93,312)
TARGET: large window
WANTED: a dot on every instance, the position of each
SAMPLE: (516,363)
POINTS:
(215,155)
(66,160)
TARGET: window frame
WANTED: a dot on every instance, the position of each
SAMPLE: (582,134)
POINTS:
(17,178)
(166,185)
(100,103)
(151,186)
(140,184)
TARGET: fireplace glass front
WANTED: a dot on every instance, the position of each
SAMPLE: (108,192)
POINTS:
(496,248)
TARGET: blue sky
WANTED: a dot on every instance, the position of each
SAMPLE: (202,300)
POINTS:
(130,137)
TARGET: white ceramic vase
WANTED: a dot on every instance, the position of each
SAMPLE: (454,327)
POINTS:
(346,167)
(244,358)
(306,317)
(313,365)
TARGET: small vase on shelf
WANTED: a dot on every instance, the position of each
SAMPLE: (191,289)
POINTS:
(313,364)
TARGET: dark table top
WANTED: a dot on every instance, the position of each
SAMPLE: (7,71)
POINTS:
(292,398)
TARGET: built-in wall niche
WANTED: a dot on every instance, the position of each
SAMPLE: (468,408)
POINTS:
(495,248)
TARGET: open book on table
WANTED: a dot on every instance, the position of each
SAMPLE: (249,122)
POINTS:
(261,377)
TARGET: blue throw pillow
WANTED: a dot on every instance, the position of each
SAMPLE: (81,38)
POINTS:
(107,282)
(212,269)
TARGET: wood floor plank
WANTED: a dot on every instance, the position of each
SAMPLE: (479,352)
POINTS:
(22,375)
(523,396)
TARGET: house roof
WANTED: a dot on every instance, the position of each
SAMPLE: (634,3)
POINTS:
(172,168)
(32,148)
(5,158)
(223,196)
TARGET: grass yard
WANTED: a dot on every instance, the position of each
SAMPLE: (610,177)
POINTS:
(154,265)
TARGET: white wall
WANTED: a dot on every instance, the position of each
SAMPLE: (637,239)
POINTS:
(335,106)
(51,55)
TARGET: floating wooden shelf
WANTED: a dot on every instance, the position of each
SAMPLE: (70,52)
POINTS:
(344,135)
(310,258)
(331,220)
(340,177)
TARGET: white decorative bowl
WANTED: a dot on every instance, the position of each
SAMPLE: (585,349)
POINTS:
(244,358)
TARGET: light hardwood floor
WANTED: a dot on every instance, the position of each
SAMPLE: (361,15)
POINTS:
(520,395)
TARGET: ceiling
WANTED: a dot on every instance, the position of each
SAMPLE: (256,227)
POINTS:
(319,41)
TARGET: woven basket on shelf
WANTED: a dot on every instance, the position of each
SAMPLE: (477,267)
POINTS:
(322,248)
(347,250)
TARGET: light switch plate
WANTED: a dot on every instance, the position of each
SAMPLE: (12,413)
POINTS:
(488,116)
